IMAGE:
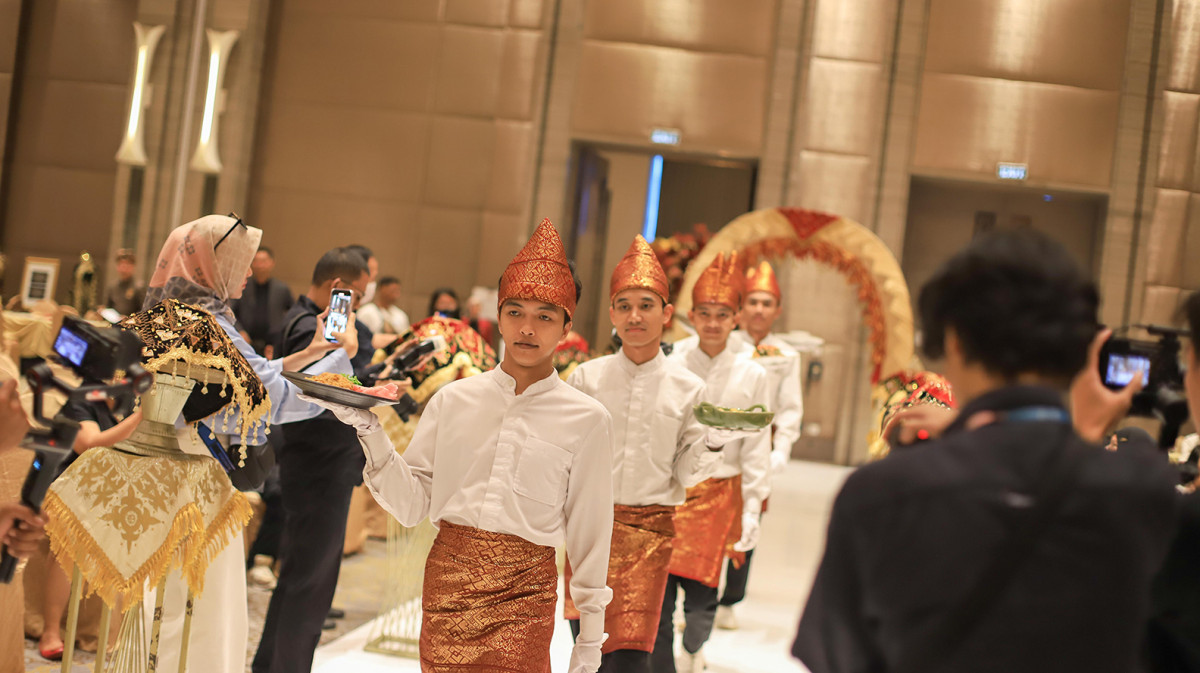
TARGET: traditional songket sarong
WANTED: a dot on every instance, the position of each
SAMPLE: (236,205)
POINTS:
(706,528)
(488,603)
(637,575)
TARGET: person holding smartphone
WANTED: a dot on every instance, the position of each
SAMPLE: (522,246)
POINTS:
(319,465)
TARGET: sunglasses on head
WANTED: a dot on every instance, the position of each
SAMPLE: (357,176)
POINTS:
(235,226)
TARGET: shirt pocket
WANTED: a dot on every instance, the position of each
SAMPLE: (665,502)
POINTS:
(542,472)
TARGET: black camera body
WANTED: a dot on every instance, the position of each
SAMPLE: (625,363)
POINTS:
(97,356)
(1162,396)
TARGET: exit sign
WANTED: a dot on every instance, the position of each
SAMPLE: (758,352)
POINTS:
(1006,171)
(664,136)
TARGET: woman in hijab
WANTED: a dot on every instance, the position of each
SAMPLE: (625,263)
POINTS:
(206,263)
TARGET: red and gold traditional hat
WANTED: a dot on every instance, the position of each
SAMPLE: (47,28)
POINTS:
(639,268)
(720,283)
(761,278)
(540,272)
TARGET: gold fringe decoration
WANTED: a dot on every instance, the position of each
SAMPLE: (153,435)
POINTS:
(72,545)
(198,553)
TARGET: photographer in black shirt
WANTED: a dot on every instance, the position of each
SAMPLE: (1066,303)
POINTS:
(1009,543)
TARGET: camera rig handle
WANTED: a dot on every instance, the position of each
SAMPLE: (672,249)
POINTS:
(124,390)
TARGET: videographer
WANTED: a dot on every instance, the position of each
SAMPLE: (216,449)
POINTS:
(1173,630)
(20,527)
(1009,543)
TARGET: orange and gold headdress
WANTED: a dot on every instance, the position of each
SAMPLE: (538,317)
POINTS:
(761,278)
(540,272)
(720,283)
(639,268)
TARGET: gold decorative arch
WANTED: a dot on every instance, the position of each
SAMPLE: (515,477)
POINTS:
(848,247)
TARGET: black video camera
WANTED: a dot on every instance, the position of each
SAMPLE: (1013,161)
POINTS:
(1162,396)
(109,362)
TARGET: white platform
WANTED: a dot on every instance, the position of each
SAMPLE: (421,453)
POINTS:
(792,537)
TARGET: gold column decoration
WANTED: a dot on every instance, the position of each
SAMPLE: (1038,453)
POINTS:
(133,150)
(206,158)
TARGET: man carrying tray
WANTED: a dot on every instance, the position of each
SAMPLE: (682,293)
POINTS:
(507,464)
(660,450)
(723,510)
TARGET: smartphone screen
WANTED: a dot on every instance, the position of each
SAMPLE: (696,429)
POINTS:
(1121,368)
(339,313)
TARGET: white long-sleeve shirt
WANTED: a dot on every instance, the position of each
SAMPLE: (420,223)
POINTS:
(732,380)
(784,387)
(659,449)
(534,465)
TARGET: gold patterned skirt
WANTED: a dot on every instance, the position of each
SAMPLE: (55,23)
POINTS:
(637,575)
(488,603)
(706,527)
(126,519)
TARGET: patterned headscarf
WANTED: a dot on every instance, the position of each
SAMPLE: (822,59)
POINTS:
(204,263)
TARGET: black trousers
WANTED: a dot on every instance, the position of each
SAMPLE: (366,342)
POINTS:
(735,581)
(619,661)
(270,533)
(699,611)
(316,499)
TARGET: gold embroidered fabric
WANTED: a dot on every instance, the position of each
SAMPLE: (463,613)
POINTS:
(639,268)
(761,278)
(126,519)
(488,603)
(706,528)
(637,575)
(540,272)
(721,283)
(178,338)
(467,354)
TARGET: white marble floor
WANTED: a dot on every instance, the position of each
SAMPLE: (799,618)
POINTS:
(792,536)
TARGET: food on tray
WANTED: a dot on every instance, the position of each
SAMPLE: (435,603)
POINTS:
(753,418)
(390,391)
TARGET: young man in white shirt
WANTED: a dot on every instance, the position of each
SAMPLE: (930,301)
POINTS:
(723,510)
(660,449)
(383,316)
(508,465)
(761,309)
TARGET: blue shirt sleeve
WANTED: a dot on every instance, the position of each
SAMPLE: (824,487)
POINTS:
(286,407)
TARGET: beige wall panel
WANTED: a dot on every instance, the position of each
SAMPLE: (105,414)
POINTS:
(1164,260)
(1162,305)
(93,41)
(56,130)
(518,75)
(736,26)
(1184,74)
(715,100)
(508,191)
(469,63)
(10,19)
(340,60)
(493,13)
(395,10)
(348,151)
(328,221)
(968,124)
(1177,152)
(47,201)
(460,162)
(844,98)
(1073,42)
(1191,244)
(500,237)
(835,183)
(448,241)
(5,95)
(854,30)
(525,13)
